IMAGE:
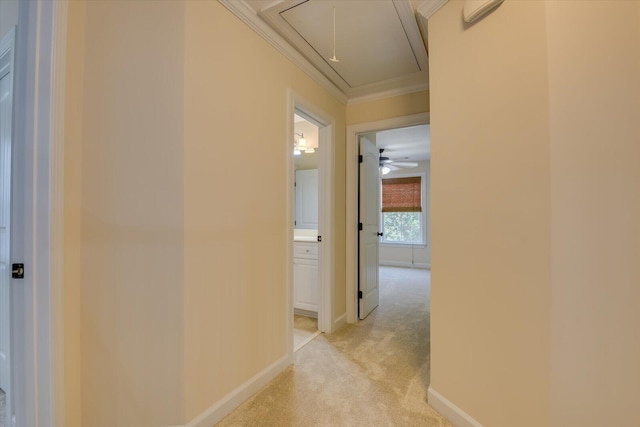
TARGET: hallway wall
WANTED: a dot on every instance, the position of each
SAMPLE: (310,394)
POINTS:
(491,229)
(132,207)
(175,266)
(594,77)
(536,236)
(236,223)
(396,106)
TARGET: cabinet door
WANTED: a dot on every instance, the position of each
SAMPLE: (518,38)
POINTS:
(307,199)
(305,284)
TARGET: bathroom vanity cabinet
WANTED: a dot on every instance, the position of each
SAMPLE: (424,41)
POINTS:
(305,276)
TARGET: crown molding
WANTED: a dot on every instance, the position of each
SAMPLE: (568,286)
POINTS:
(428,7)
(419,87)
(249,17)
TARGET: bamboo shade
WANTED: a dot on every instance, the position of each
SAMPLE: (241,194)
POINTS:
(402,194)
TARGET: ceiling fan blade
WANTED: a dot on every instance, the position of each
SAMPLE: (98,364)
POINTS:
(405,165)
(393,168)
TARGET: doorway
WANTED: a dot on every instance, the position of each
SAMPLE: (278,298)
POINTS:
(310,212)
(6,145)
(354,262)
(306,292)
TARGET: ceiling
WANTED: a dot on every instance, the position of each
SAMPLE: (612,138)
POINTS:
(410,143)
(378,43)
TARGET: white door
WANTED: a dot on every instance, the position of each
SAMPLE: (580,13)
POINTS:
(369,206)
(6,114)
(307,199)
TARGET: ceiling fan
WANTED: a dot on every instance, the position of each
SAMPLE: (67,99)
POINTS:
(388,165)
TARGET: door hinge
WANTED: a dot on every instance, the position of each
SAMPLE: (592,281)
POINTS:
(17,271)
(319,238)
(360,159)
(359,294)
(360,228)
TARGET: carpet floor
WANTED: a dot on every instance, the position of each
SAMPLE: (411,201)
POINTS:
(373,373)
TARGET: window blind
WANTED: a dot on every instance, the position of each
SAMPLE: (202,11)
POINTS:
(402,194)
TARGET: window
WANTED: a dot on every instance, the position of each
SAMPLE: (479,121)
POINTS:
(402,216)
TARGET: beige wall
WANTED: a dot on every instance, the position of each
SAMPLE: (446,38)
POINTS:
(236,224)
(490,194)
(397,106)
(73,214)
(535,212)
(594,77)
(8,15)
(132,209)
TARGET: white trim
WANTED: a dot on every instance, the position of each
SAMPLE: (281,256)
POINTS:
(449,410)
(326,178)
(428,7)
(403,245)
(352,199)
(240,9)
(57,212)
(227,404)
(307,340)
(37,207)
(8,49)
(405,264)
(405,90)
(340,322)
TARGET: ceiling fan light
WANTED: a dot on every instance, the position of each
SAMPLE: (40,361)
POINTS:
(309,150)
(296,152)
(385,170)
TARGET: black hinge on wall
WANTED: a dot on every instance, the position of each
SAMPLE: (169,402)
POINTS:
(360,226)
(360,159)
(359,294)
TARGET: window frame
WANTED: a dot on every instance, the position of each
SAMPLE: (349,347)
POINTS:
(423,212)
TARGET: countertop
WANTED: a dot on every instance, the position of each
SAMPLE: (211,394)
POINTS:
(305,235)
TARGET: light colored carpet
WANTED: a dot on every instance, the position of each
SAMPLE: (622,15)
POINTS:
(374,373)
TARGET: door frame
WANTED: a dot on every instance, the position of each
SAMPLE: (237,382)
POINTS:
(8,49)
(37,213)
(353,131)
(326,174)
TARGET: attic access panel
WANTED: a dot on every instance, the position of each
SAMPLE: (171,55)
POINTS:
(371,42)
(378,42)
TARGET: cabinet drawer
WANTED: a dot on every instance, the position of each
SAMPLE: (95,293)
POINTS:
(305,250)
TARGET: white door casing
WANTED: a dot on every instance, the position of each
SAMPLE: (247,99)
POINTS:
(326,173)
(6,145)
(370,219)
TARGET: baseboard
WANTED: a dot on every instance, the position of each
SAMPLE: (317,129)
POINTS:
(405,264)
(339,322)
(231,401)
(449,410)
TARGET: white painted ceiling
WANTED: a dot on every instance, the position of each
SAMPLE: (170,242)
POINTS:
(410,143)
(378,42)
